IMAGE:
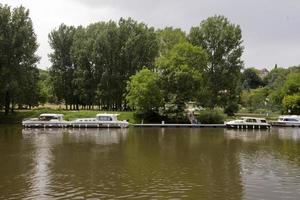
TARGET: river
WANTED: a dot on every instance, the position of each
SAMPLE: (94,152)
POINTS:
(149,163)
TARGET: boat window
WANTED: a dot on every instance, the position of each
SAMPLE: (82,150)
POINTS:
(47,118)
(263,121)
(290,120)
(250,120)
(104,118)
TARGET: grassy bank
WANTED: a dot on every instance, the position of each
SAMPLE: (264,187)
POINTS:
(19,115)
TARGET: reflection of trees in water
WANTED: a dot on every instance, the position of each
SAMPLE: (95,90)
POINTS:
(18,163)
(109,163)
(199,162)
(285,141)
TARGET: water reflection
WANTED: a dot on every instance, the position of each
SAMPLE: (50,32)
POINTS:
(247,135)
(289,133)
(149,163)
(97,136)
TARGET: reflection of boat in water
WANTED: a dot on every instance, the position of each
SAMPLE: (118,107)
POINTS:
(289,133)
(287,121)
(248,123)
(59,135)
(247,135)
(56,120)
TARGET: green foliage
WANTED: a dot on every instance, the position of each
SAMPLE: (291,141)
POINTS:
(256,99)
(276,78)
(144,94)
(223,42)
(250,79)
(211,117)
(181,76)
(18,72)
(169,37)
(231,108)
(291,104)
(292,84)
(92,65)
(62,69)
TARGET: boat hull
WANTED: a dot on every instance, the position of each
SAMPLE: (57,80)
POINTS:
(73,125)
(285,124)
(248,126)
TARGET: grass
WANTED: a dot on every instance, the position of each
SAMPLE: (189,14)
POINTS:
(19,115)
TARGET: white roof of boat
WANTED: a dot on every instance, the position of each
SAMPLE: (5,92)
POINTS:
(51,115)
(253,118)
(106,114)
(289,116)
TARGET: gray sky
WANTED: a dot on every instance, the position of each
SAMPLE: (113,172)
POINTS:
(271,28)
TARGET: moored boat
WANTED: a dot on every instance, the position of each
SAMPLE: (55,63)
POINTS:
(101,121)
(248,123)
(46,120)
(287,121)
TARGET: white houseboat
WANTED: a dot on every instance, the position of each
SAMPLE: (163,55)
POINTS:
(46,120)
(101,121)
(248,123)
(287,121)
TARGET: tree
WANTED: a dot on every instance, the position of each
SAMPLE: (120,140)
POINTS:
(169,37)
(17,57)
(181,77)
(292,84)
(250,79)
(291,104)
(257,99)
(222,41)
(62,69)
(290,93)
(144,94)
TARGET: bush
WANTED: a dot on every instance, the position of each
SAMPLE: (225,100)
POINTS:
(231,108)
(291,104)
(211,117)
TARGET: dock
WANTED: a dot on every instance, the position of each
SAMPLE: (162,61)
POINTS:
(179,125)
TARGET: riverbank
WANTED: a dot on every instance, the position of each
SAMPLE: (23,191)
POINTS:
(19,115)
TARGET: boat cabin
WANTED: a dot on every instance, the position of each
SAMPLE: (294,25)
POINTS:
(51,117)
(254,120)
(291,118)
(107,117)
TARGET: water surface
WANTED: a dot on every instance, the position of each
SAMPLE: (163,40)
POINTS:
(150,163)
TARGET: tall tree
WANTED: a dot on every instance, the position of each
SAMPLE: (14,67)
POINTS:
(181,77)
(169,37)
(62,69)
(144,94)
(223,42)
(17,56)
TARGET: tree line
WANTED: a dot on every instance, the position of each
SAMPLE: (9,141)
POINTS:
(18,72)
(91,66)
(279,90)
(127,65)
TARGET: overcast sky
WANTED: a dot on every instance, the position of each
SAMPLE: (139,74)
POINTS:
(271,28)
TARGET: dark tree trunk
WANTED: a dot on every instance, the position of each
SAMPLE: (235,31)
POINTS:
(7,102)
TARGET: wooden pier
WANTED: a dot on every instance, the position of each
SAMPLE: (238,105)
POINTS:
(179,125)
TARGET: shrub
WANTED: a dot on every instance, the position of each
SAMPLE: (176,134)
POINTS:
(211,117)
(291,104)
